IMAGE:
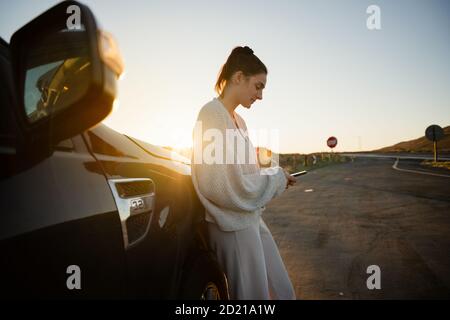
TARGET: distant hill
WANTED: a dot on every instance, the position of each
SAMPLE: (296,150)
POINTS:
(421,144)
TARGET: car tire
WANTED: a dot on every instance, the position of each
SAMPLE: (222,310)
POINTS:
(203,279)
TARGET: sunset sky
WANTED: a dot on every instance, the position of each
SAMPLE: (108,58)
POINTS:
(328,73)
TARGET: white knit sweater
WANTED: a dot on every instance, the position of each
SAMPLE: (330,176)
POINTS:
(233,194)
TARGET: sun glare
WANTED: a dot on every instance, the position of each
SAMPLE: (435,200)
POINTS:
(116,105)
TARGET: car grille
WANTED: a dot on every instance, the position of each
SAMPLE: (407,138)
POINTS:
(137,226)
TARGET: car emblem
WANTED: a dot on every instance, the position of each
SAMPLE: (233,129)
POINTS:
(137,205)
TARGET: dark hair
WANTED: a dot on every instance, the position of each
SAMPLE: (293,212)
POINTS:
(240,59)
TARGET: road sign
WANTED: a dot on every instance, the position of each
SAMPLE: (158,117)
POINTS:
(434,133)
(332,142)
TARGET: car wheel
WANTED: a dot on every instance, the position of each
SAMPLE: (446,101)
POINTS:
(203,279)
(211,292)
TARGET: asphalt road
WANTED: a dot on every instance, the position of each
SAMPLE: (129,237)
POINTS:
(364,213)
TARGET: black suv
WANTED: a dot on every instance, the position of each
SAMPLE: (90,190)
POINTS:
(87,212)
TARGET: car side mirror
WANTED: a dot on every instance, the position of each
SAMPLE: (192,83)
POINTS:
(65,73)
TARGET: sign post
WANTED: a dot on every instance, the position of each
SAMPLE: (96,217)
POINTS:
(332,142)
(434,133)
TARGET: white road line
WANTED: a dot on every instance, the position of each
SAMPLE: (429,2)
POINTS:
(421,172)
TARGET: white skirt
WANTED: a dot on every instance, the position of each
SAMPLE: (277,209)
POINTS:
(251,262)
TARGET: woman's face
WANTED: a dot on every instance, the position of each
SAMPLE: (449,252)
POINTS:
(251,88)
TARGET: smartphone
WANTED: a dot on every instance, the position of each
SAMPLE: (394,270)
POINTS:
(296,174)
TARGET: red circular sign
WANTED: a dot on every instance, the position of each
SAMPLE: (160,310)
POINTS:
(332,142)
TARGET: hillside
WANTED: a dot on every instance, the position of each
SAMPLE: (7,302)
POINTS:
(421,144)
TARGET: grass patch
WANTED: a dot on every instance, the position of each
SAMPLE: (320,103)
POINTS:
(438,164)
(299,162)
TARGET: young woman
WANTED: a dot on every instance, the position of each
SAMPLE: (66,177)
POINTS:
(234,192)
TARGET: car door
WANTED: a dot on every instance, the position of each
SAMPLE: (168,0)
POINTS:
(60,233)
(156,256)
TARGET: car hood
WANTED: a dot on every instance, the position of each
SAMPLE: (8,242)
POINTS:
(160,152)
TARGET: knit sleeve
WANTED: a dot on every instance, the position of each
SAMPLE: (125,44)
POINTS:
(226,185)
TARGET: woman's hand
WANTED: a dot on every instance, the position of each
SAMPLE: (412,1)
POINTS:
(290,179)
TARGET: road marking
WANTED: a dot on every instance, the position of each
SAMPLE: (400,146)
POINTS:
(309,190)
(421,172)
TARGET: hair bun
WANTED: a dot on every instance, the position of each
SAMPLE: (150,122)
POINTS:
(243,50)
(247,50)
